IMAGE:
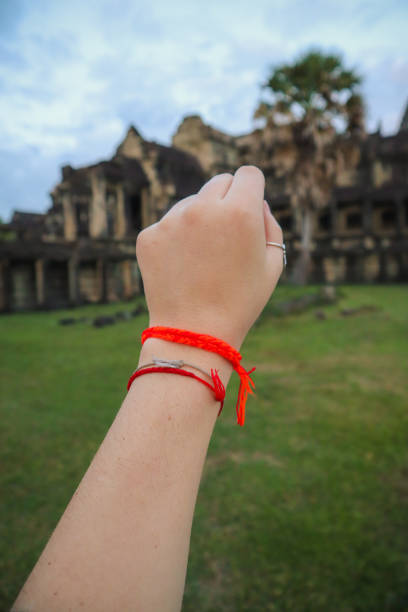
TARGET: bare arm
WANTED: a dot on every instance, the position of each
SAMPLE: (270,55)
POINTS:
(122,542)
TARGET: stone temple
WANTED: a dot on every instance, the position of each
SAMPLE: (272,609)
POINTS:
(83,248)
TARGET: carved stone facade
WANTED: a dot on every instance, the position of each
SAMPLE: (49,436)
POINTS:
(362,234)
(83,248)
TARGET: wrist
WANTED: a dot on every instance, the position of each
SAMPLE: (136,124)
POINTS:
(212,326)
(211,345)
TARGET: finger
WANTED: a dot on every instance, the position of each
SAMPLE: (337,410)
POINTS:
(217,186)
(179,206)
(247,187)
(273,233)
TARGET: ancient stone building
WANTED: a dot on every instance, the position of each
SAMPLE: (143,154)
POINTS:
(362,234)
(83,248)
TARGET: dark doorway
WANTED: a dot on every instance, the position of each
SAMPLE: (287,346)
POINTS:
(135,213)
(56,282)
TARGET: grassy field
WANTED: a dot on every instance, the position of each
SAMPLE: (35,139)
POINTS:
(303,509)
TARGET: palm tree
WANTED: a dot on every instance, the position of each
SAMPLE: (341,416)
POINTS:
(312,132)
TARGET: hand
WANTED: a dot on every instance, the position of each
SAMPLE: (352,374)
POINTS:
(205,265)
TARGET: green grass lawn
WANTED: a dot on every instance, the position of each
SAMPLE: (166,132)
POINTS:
(305,508)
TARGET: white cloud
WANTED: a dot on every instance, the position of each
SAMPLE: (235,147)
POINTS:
(74,75)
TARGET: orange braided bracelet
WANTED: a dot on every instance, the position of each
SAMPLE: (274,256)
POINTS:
(209,343)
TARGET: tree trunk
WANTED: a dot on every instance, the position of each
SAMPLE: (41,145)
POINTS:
(302,267)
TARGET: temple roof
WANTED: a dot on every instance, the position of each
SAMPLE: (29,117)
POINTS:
(120,169)
(28,219)
(404,121)
(172,165)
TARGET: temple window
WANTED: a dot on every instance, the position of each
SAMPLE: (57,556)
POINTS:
(354,220)
(385,215)
(82,219)
(325,222)
(388,219)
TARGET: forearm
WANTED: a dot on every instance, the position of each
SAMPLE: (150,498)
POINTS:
(123,540)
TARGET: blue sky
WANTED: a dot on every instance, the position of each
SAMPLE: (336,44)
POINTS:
(75,74)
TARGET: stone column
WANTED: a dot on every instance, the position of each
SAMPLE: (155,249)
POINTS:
(4,284)
(73,280)
(329,269)
(98,222)
(121,212)
(127,279)
(40,281)
(371,267)
(70,225)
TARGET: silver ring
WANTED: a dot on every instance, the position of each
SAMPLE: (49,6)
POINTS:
(281,246)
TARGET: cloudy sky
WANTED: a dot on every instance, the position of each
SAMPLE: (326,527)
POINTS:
(74,74)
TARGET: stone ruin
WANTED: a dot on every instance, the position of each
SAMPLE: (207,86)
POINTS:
(83,248)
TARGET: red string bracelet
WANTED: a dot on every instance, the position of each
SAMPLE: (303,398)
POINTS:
(209,343)
(218,388)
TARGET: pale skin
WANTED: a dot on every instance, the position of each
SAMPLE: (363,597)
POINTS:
(123,540)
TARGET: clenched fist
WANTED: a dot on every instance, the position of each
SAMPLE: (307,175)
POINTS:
(205,265)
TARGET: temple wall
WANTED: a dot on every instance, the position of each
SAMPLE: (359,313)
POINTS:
(217,152)
(360,236)
(381,173)
(89,286)
(115,288)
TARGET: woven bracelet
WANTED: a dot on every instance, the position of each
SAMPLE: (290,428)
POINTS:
(208,343)
(218,388)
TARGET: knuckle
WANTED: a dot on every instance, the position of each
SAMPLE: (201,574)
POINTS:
(217,184)
(182,203)
(142,241)
(190,214)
